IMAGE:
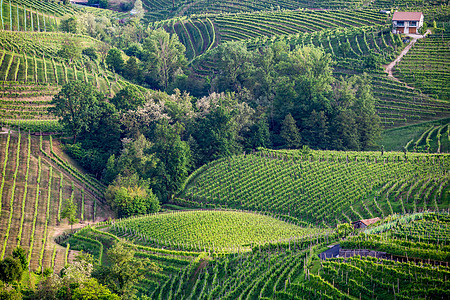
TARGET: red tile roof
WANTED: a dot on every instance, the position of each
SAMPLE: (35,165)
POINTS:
(370,221)
(406,16)
(367,222)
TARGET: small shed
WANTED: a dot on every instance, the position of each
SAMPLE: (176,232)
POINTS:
(407,22)
(364,223)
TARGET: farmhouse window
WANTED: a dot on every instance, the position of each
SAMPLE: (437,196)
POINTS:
(400,23)
(412,23)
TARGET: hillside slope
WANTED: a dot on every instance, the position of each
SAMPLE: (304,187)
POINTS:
(324,187)
(36,181)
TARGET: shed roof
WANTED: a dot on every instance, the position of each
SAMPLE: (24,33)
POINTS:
(367,222)
(407,16)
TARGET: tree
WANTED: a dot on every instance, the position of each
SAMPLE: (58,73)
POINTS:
(259,134)
(138,10)
(90,52)
(132,69)
(174,157)
(77,106)
(10,270)
(70,212)
(69,50)
(128,98)
(289,133)
(93,290)
(233,61)
(132,196)
(114,60)
(124,271)
(9,292)
(165,54)
(344,229)
(20,255)
(69,25)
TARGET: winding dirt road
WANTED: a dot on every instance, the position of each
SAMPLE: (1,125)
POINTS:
(388,69)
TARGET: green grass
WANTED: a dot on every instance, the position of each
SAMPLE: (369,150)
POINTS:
(395,139)
(214,228)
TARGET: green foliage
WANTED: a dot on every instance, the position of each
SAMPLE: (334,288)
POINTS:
(344,229)
(114,60)
(165,57)
(132,196)
(19,254)
(10,270)
(128,98)
(70,212)
(289,133)
(76,105)
(90,52)
(69,25)
(123,272)
(92,290)
(70,50)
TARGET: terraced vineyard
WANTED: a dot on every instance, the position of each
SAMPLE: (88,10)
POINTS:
(292,270)
(435,139)
(211,229)
(353,185)
(31,73)
(426,66)
(36,180)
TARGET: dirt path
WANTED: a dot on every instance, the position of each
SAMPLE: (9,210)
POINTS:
(388,69)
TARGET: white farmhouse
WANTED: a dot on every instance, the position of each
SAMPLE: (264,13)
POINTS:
(407,22)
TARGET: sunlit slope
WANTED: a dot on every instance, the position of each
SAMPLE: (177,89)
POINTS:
(325,186)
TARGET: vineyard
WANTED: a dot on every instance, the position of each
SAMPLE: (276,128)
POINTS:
(211,229)
(287,269)
(32,72)
(353,186)
(36,181)
(256,223)
(424,67)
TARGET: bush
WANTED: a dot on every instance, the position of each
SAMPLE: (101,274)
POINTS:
(10,270)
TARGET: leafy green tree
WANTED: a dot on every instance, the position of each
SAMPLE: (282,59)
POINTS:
(165,56)
(69,25)
(90,52)
(93,290)
(69,50)
(132,196)
(233,60)
(174,157)
(123,271)
(70,212)
(138,10)
(289,133)
(216,134)
(344,229)
(259,134)
(114,60)
(132,70)
(21,256)
(316,127)
(345,134)
(128,98)
(9,292)
(77,106)
(134,49)
(10,270)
